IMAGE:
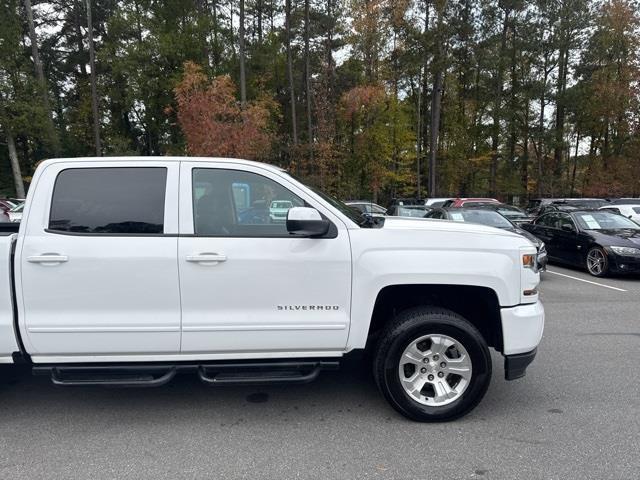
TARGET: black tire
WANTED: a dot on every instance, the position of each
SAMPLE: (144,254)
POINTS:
(409,326)
(604,269)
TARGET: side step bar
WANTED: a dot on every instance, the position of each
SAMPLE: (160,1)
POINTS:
(215,374)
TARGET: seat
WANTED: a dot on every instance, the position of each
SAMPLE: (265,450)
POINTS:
(214,211)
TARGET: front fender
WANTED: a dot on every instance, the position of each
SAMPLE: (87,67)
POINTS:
(449,261)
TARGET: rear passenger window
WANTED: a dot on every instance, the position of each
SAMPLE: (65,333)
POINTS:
(126,200)
(548,220)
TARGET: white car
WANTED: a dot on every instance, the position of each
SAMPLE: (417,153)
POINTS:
(629,211)
(127,271)
(278,210)
(436,202)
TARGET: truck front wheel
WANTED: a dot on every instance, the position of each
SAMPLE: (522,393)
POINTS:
(432,365)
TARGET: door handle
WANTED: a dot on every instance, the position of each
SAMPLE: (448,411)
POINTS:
(212,258)
(50,258)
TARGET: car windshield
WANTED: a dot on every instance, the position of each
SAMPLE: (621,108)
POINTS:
(484,217)
(605,221)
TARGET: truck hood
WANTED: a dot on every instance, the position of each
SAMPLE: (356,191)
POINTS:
(402,223)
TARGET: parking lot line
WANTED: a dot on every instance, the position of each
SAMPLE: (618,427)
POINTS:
(588,281)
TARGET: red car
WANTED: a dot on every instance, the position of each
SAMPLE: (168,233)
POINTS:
(468,202)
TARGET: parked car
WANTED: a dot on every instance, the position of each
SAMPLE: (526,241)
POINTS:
(466,202)
(6,204)
(415,211)
(601,242)
(535,205)
(436,202)
(405,201)
(121,278)
(624,201)
(491,218)
(514,214)
(278,210)
(367,207)
(556,207)
(4,217)
(538,206)
(630,211)
(15,214)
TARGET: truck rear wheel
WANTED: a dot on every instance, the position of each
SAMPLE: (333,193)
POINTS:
(432,365)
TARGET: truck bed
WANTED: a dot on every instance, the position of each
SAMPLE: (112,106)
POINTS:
(8,343)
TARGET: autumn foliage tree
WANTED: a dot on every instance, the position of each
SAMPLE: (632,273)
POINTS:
(215,123)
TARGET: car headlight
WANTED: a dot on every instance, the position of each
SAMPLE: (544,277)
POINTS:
(626,250)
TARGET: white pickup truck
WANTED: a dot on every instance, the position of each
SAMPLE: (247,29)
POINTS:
(127,271)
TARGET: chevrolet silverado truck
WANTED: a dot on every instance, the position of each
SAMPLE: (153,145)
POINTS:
(127,271)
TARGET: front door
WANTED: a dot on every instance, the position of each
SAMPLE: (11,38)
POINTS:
(98,270)
(248,286)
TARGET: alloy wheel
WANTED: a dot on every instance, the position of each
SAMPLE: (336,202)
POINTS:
(596,262)
(435,370)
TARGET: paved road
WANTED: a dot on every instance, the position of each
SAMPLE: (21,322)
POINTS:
(575,416)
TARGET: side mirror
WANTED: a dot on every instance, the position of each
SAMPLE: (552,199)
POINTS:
(306,222)
(567,227)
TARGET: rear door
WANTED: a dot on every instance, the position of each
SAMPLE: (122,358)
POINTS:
(98,261)
(247,286)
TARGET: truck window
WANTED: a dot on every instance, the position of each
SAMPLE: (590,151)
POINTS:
(125,200)
(237,203)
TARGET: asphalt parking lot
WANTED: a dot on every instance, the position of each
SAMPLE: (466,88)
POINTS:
(575,415)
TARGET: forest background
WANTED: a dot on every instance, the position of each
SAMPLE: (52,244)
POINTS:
(366,99)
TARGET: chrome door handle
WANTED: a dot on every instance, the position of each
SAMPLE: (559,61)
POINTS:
(48,258)
(207,258)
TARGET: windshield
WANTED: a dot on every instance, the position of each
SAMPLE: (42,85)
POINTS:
(605,221)
(484,217)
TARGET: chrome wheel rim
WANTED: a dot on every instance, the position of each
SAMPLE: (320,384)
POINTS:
(596,262)
(435,370)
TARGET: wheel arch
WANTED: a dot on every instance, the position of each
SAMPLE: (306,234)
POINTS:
(478,305)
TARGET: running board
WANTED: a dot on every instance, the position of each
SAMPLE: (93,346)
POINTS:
(155,375)
(263,373)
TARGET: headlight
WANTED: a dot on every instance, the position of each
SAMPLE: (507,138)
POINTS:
(626,250)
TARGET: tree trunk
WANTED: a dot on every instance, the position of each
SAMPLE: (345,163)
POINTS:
(15,164)
(243,79)
(563,61)
(540,150)
(77,10)
(42,83)
(495,130)
(307,78)
(436,100)
(94,93)
(425,89)
(292,96)
(259,15)
(419,142)
(524,165)
(216,45)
